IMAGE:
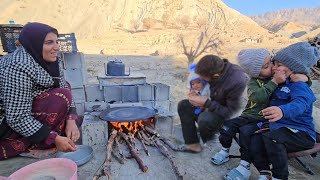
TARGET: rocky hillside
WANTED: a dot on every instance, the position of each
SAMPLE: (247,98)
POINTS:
(311,34)
(89,18)
(142,27)
(277,26)
(303,16)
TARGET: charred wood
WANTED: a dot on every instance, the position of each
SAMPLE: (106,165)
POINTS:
(107,163)
(143,144)
(169,143)
(167,154)
(117,157)
(146,138)
(151,131)
(143,167)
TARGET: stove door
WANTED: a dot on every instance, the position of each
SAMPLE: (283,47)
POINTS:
(127,114)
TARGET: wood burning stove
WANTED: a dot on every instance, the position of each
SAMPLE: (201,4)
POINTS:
(127,124)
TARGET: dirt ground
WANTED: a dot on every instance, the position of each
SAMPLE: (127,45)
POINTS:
(191,166)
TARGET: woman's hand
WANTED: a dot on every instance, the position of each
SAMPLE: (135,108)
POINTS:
(273,113)
(65,144)
(72,130)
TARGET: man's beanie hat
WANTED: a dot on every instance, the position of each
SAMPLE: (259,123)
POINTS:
(251,60)
(298,57)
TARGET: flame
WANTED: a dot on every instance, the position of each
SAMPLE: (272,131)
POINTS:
(132,127)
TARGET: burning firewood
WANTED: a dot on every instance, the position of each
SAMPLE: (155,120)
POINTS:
(107,162)
(116,140)
(147,134)
(133,152)
(146,139)
(169,143)
(167,154)
(151,131)
(143,144)
(131,138)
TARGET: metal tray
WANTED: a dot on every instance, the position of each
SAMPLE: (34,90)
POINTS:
(127,114)
(81,156)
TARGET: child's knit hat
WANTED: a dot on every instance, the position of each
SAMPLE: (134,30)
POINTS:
(251,60)
(298,57)
(193,75)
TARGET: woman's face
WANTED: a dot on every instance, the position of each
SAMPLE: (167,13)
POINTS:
(50,47)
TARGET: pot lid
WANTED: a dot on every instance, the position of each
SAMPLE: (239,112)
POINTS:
(127,114)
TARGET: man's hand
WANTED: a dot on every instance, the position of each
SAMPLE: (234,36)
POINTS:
(65,144)
(197,100)
(72,130)
(272,113)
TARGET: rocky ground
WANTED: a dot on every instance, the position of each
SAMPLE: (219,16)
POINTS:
(190,166)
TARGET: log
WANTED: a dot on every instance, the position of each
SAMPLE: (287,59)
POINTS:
(116,140)
(162,148)
(143,144)
(166,153)
(117,157)
(105,168)
(169,143)
(107,163)
(98,173)
(131,139)
(133,152)
(151,131)
(146,139)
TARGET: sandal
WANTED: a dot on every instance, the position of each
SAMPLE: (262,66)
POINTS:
(234,174)
(183,148)
(219,159)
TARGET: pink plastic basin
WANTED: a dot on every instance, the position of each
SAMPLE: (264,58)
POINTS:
(54,168)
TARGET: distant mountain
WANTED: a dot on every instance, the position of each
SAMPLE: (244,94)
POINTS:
(277,26)
(303,16)
(89,18)
(311,34)
(286,28)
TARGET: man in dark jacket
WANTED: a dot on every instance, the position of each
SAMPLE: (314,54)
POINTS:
(227,84)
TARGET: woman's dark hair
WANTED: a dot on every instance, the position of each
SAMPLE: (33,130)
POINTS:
(209,65)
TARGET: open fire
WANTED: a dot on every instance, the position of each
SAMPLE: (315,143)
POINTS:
(128,132)
(132,127)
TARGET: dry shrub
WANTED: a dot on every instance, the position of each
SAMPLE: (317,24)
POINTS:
(149,23)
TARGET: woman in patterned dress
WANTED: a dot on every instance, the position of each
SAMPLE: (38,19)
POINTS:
(36,106)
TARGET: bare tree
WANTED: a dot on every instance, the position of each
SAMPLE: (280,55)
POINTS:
(207,40)
(202,47)
(145,8)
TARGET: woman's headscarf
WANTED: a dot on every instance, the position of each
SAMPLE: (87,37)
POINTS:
(32,38)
